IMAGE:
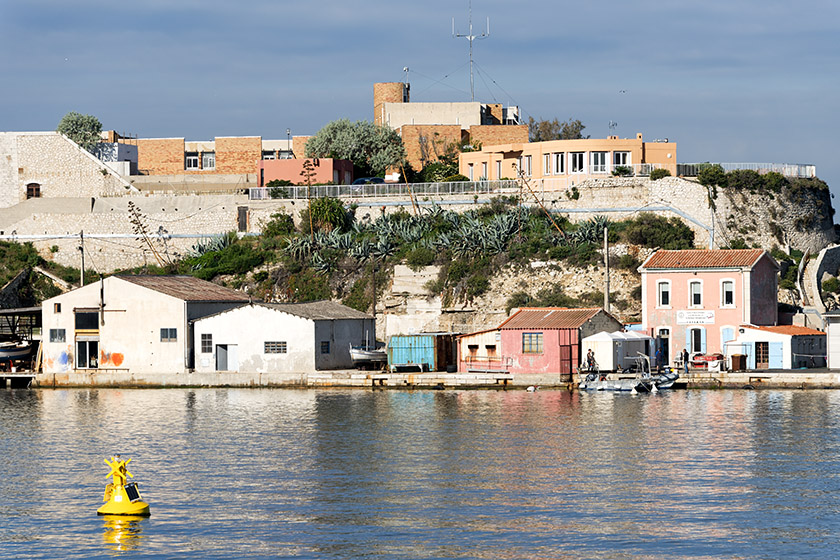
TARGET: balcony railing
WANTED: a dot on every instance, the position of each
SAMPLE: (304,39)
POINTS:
(386,190)
(799,170)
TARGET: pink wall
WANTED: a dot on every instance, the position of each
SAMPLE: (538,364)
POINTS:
(759,288)
(559,355)
(290,170)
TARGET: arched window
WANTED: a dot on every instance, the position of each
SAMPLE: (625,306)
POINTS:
(33,190)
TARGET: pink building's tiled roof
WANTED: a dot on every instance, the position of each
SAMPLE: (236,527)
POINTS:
(703,258)
(549,318)
(793,330)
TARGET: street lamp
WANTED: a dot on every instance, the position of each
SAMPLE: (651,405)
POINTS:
(289,141)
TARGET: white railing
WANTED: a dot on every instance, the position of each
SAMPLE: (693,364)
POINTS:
(387,190)
(800,170)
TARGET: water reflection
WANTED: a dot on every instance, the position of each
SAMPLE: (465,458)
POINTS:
(122,532)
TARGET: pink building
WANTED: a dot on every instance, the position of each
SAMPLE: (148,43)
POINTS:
(696,299)
(547,339)
(325,170)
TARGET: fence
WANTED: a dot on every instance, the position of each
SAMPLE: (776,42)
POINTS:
(799,170)
(387,190)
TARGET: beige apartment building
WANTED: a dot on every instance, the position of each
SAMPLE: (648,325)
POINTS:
(564,163)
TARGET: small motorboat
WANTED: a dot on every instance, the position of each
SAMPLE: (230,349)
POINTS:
(367,355)
(642,382)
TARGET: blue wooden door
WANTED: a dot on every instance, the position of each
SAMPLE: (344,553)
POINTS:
(776,351)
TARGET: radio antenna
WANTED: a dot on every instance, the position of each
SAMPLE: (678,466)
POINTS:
(471,37)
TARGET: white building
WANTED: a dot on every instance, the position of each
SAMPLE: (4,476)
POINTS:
(832,322)
(281,337)
(136,324)
(779,347)
(615,351)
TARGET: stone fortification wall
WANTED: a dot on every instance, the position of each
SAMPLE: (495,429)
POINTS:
(57,165)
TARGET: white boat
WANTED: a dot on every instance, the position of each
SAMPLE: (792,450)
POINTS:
(643,382)
(365,355)
(14,350)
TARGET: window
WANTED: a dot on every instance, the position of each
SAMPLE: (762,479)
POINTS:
(56,308)
(577,162)
(663,294)
(483,171)
(325,347)
(191,160)
(727,293)
(269,154)
(532,343)
(621,158)
(695,294)
(57,335)
(547,164)
(208,160)
(473,350)
(599,162)
(87,321)
(470,172)
(559,163)
(696,340)
(526,166)
(206,343)
(498,170)
(490,349)
(87,352)
(168,335)
(33,190)
(278,347)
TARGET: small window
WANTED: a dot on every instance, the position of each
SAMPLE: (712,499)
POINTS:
(663,294)
(547,164)
(483,171)
(559,163)
(168,335)
(57,335)
(599,162)
(56,308)
(278,347)
(325,347)
(473,349)
(577,162)
(208,160)
(33,190)
(525,165)
(269,154)
(532,343)
(727,293)
(470,171)
(87,321)
(621,158)
(695,290)
(191,160)
(498,170)
(206,343)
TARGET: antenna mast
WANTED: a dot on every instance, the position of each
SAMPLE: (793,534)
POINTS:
(470,37)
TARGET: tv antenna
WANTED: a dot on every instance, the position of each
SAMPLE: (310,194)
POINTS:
(471,37)
(613,124)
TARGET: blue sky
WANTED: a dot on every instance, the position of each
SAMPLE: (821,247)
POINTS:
(728,80)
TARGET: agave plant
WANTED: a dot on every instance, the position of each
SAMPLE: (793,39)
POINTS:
(362,251)
(321,264)
(298,247)
(212,243)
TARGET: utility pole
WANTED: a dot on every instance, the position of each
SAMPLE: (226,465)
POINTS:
(82,251)
(470,37)
(606,270)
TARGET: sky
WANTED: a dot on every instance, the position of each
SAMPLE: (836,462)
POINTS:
(741,81)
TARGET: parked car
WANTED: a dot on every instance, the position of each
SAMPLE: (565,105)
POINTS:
(368,181)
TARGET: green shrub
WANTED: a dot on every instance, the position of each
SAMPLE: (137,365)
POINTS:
(627,262)
(280,224)
(308,285)
(328,213)
(651,230)
(737,243)
(420,257)
(712,176)
(831,286)
(573,193)
(455,178)
(659,173)
(622,171)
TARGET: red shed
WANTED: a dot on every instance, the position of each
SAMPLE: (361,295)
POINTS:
(547,339)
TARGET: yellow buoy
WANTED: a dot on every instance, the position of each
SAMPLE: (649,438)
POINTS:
(122,498)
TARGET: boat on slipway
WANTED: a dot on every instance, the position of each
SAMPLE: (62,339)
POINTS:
(15,350)
(642,380)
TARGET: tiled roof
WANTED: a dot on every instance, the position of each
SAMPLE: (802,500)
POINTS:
(186,288)
(318,310)
(703,258)
(786,329)
(549,318)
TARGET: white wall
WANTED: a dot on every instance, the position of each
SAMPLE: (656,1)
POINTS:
(129,338)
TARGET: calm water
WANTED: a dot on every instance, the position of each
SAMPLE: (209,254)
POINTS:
(438,474)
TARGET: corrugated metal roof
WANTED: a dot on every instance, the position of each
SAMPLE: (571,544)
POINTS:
(549,318)
(318,310)
(186,288)
(703,258)
(793,330)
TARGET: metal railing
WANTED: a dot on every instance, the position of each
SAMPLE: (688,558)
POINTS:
(383,190)
(800,170)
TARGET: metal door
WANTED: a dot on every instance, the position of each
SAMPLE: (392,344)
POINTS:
(221,357)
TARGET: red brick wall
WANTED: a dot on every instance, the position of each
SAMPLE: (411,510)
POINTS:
(493,135)
(238,154)
(437,137)
(160,156)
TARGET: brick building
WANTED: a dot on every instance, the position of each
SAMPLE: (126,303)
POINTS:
(427,129)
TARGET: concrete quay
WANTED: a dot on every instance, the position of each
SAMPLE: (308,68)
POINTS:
(759,379)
